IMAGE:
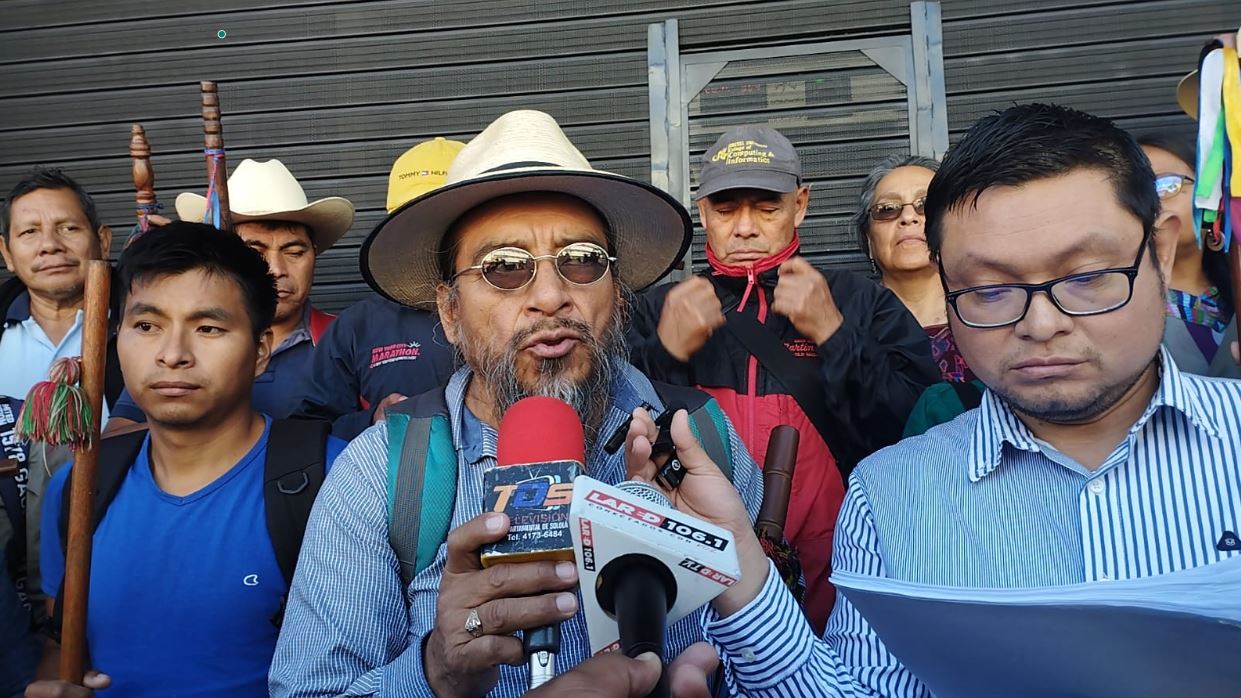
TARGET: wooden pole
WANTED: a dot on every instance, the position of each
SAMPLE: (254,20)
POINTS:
(144,176)
(82,481)
(213,140)
(778,467)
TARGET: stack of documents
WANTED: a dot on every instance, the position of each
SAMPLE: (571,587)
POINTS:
(1170,636)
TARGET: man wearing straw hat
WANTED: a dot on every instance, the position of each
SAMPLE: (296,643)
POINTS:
(271,213)
(530,255)
(378,352)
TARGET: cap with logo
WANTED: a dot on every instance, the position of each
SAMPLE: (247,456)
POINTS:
(420,169)
(749,157)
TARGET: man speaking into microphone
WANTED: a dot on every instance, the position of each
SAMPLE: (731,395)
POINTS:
(530,256)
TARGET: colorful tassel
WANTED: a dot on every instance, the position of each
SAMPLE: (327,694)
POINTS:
(787,562)
(56,411)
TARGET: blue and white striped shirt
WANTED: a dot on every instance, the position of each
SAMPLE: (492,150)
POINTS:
(979,502)
(351,630)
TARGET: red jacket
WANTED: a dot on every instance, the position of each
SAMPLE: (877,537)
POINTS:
(873,369)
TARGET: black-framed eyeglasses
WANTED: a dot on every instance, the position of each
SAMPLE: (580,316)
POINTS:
(512,268)
(1169,184)
(891,210)
(1087,293)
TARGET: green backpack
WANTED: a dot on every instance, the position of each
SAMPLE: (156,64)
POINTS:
(422,467)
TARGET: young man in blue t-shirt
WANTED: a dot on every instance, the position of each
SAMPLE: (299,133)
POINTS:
(185,581)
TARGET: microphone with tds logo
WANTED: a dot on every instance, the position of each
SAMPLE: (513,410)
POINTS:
(539,452)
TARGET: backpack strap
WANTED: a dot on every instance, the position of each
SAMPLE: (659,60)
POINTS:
(116,455)
(422,480)
(706,420)
(292,475)
(802,382)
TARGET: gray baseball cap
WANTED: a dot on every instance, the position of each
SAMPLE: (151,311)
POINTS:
(749,157)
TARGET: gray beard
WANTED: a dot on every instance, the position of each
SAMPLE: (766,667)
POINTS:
(589,397)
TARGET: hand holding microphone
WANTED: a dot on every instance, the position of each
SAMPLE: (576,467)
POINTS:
(502,599)
(704,493)
(505,566)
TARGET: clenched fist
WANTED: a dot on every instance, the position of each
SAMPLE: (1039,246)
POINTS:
(803,297)
(691,314)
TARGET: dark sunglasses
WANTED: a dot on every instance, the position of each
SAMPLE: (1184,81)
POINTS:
(512,268)
(1169,185)
(891,210)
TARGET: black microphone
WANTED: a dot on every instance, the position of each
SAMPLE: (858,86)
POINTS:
(639,590)
(648,564)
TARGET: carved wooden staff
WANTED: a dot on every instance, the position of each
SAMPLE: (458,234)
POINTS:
(144,177)
(217,172)
(82,481)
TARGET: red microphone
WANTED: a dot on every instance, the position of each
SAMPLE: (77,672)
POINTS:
(539,452)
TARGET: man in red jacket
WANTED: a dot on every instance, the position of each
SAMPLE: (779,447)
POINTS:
(777,341)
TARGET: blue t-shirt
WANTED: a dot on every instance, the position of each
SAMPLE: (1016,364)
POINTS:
(183,589)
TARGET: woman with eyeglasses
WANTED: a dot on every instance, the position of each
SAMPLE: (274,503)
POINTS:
(889,224)
(1202,324)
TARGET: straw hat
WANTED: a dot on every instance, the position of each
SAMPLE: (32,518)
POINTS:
(267,191)
(523,151)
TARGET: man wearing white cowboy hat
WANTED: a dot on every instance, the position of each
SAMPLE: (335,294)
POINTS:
(530,256)
(272,215)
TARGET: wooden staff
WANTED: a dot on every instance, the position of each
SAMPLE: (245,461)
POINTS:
(778,469)
(82,480)
(213,140)
(144,176)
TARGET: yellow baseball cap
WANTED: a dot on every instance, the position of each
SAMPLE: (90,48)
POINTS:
(419,170)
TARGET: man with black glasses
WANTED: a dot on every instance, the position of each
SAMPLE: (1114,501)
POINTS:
(1092,457)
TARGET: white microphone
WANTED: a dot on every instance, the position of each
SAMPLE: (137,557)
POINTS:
(642,564)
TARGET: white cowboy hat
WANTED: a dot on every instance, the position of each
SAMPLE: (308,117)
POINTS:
(267,191)
(523,151)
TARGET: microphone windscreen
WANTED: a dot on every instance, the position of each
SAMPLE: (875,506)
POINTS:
(644,490)
(540,430)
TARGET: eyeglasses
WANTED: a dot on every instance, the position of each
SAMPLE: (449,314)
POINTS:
(1087,293)
(1169,185)
(512,268)
(891,210)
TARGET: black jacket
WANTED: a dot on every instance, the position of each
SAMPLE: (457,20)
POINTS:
(873,368)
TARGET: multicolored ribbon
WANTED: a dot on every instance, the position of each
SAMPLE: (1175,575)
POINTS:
(212,215)
(1216,208)
(144,223)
